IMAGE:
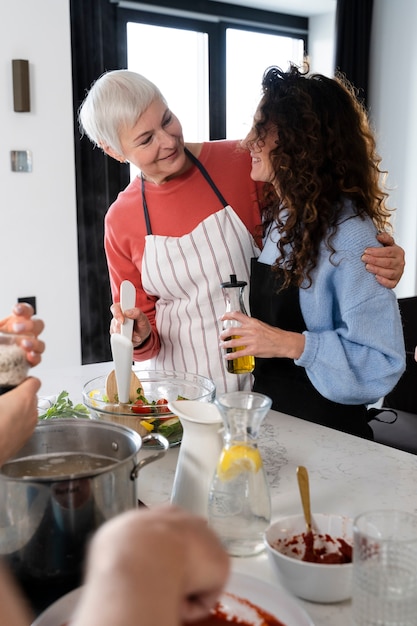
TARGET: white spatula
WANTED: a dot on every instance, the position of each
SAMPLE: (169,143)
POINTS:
(122,351)
(127,301)
(121,345)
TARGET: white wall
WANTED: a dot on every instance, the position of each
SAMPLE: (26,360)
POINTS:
(321,43)
(393,103)
(38,245)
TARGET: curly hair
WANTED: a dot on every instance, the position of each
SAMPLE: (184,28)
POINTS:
(325,153)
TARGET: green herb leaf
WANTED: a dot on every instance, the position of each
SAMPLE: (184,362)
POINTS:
(64,407)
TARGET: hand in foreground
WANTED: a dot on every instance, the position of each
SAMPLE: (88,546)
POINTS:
(22,321)
(157,566)
(141,326)
(19,416)
(15,610)
(386,263)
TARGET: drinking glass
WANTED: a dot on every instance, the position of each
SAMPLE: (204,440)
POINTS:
(385,569)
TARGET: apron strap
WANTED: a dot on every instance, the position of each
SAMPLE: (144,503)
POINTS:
(145,207)
(204,172)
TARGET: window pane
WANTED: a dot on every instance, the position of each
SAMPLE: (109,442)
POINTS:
(177,62)
(247,57)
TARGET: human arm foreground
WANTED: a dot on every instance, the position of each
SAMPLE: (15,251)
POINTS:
(152,567)
(144,568)
(18,417)
(18,407)
(14,610)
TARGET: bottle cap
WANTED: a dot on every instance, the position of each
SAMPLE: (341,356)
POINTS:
(233,282)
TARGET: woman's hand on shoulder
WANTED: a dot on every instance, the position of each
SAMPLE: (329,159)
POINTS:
(387,263)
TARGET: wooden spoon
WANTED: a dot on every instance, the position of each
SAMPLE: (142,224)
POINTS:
(111,387)
(127,301)
(303,485)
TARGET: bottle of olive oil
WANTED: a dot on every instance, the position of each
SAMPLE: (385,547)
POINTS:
(233,294)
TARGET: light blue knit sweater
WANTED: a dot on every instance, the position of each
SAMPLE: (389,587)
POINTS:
(354,350)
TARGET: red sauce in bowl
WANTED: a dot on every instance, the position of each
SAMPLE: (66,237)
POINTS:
(315,548)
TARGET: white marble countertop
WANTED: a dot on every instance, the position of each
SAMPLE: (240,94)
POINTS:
(348,475)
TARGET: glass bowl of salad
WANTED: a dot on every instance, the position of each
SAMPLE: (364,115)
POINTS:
(149,412)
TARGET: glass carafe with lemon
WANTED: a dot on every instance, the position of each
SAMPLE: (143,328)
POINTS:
(239,507)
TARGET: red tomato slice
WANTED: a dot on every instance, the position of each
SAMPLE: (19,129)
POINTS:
(162,408)
(137,408)
(158,408)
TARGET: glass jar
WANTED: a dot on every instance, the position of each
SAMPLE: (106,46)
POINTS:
(233,292)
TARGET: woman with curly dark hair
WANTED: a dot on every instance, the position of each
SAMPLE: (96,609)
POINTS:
(326,336)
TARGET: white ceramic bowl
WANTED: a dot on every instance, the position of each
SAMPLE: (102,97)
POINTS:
(317,582)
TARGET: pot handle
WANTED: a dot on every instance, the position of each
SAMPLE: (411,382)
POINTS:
(163,441)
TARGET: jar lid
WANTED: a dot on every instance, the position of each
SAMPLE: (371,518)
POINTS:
(233,282)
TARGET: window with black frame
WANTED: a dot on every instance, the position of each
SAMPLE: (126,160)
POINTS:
(209,69)
(179,64)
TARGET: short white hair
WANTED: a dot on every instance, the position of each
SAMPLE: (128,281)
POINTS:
(115,100)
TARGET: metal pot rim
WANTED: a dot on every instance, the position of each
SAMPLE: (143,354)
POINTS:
(57,424)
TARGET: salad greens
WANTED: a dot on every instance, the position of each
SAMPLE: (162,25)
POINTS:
(64,407)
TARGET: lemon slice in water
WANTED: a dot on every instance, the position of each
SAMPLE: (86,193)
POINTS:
(237,459)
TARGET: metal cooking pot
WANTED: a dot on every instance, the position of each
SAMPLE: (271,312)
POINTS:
(45,522)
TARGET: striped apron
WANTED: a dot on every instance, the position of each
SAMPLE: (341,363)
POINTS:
(184,274)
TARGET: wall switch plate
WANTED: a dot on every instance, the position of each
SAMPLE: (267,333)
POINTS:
(30,300)
(21,160)
(21,87)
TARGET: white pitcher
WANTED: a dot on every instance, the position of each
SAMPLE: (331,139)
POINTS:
(199,453)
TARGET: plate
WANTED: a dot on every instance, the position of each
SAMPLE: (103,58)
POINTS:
(271,598)
(60,611)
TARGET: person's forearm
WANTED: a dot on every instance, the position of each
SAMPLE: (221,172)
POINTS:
(13,608)
(294,345)
(149,348)
(153,567)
